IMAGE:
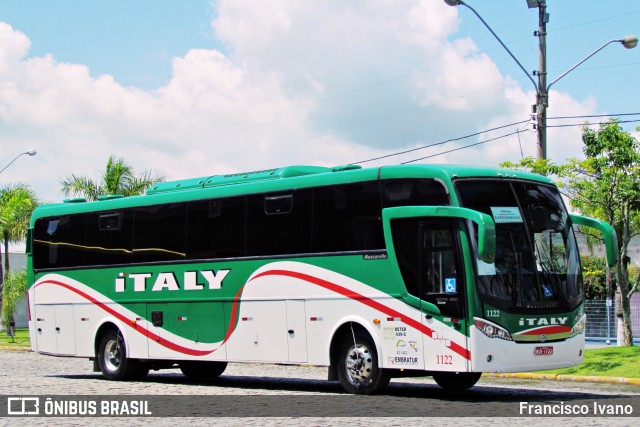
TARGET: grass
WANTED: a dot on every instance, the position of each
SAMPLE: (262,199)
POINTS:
(606,362)
(21,339)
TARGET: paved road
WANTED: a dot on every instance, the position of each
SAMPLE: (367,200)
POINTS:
(281,388)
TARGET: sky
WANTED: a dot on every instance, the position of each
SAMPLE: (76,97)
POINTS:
(198,88)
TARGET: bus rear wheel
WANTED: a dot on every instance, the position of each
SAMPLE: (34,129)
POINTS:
(456,381)
(113,361)
(202,371)
(357,365)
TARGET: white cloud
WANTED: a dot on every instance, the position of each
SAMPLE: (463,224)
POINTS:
(324,82)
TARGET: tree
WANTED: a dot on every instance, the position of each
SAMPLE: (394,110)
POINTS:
(605,186)
(17,202)
(15,288)
(594,276)
(118,178)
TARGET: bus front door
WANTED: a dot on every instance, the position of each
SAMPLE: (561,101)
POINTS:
(442,283)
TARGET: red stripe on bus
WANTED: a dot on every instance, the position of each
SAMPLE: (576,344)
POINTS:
(364,300)
(234,314)
(162,341)
(556,329)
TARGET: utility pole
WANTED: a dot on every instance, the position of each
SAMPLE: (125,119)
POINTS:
(542,89)
(542,98)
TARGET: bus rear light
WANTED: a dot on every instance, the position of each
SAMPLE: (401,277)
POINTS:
(491,329)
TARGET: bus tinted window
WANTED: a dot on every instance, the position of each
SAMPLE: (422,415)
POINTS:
(109,238)
(283,229)
(160,233)
(414,192)
(58,242)
(347,218)
(216,228)
(338,218)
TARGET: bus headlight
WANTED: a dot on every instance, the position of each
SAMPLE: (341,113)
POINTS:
(491,329)
(578,328)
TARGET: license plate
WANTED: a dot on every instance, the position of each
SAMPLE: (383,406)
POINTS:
(543,351)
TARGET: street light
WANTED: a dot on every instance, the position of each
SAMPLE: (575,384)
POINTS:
(542,89)
(629,42)
(30,153)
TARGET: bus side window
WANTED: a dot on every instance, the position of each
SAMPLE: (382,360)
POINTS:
(216,228)
(428,256)
(59,242)
(440,266)
(405,243)
(438,262)
(414,192)
(347,218)
(109,238)
(160,233)
(279,224)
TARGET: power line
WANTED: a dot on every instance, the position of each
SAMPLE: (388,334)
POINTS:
(440,143)
(461,148)
(595,115)
(505,136)
(590,124)
(566,27)
(517,132)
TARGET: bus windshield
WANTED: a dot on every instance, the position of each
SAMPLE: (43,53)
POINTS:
(537,265)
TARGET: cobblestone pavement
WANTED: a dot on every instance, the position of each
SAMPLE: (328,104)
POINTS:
(26,373)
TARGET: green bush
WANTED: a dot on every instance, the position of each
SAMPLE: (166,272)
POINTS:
(594,274)
(15,288)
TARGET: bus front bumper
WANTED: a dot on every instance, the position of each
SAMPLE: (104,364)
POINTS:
(498,355)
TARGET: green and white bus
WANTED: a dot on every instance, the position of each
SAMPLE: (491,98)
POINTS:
(423,270)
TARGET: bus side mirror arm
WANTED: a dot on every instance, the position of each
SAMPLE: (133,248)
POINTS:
(608,233)
(486,226)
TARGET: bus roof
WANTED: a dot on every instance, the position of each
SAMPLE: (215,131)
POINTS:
(278,179)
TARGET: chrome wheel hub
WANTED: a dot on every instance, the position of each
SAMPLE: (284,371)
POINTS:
(112,355)
(359,364)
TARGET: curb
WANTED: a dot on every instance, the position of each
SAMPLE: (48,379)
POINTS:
(8,348)
(560,377)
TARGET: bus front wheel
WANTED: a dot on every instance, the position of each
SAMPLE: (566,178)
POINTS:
(113,361)
(357,365)
(456,381)
(202,371)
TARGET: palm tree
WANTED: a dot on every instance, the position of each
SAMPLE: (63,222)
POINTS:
(17,202)
(118,178)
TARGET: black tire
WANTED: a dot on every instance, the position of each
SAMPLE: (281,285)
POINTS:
(456,381)
(202,371)
(357,364)
(113,362)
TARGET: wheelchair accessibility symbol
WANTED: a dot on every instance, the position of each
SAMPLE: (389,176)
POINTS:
(450,285)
